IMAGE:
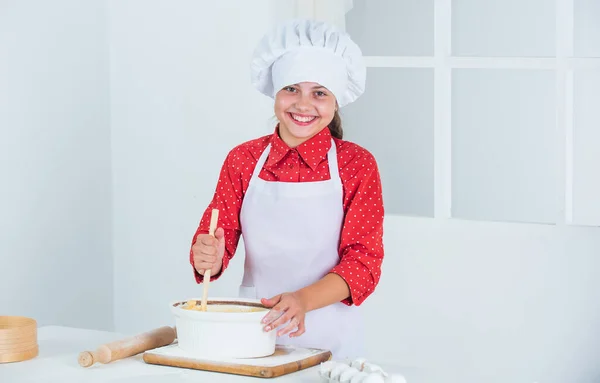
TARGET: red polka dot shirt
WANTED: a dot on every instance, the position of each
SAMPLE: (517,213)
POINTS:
(361,247)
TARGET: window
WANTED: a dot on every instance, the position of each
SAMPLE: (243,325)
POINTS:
(480,109)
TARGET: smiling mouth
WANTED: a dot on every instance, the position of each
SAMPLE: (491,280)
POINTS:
(302,120)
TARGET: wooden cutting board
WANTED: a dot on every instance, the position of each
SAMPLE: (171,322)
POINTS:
(285,360)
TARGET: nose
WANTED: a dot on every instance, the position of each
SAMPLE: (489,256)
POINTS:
(303,103)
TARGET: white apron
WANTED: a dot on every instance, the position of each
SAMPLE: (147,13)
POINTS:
(291,232)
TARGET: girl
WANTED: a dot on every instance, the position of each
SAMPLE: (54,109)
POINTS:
(308,203)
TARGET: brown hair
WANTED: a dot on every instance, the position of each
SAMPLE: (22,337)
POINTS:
(335,126)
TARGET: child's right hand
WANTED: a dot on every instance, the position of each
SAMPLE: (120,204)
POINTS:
(208,252)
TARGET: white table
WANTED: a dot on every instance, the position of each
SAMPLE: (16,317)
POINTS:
(60,346)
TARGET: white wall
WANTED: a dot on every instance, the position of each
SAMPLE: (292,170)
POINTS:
(180,99)
(55,240)
(488,302)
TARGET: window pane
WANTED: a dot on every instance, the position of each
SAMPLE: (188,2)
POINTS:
(586,144)
(392,28)
(503,28)
(504,145)
(394,121)
(587,28)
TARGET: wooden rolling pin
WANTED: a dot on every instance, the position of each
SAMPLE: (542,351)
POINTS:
(125,348)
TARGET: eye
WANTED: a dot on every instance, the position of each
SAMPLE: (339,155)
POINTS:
(320,93)
(289,89)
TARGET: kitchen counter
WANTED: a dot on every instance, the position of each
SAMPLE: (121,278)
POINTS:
(60,346)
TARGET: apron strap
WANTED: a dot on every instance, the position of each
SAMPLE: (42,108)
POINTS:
(261,162)
(334,171)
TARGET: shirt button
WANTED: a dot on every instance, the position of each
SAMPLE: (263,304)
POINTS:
(291,166)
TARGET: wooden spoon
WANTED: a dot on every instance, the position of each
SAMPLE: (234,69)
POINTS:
(211,231)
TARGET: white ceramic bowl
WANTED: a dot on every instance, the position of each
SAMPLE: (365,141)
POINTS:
(237,333)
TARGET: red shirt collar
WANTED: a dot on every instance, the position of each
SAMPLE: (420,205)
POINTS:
(312,151)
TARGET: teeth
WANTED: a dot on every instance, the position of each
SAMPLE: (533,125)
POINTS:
(302,119)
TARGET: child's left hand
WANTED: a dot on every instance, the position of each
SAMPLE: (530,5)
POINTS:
(286,307)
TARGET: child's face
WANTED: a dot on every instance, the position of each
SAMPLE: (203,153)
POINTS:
(303,110)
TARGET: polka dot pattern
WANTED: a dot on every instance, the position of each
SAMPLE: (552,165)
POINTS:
(361,243)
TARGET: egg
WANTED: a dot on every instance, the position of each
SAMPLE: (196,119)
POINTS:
(358,363)
(358,378)
(370,367)
(395,378)
(325,368)
(373,377)
(337,371)
(347,375)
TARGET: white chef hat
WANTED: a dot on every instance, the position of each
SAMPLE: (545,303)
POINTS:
(309,50)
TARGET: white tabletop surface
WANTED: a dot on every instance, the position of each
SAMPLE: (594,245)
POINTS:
(60,346)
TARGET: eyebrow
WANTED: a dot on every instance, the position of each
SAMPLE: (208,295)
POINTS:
(314,87)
